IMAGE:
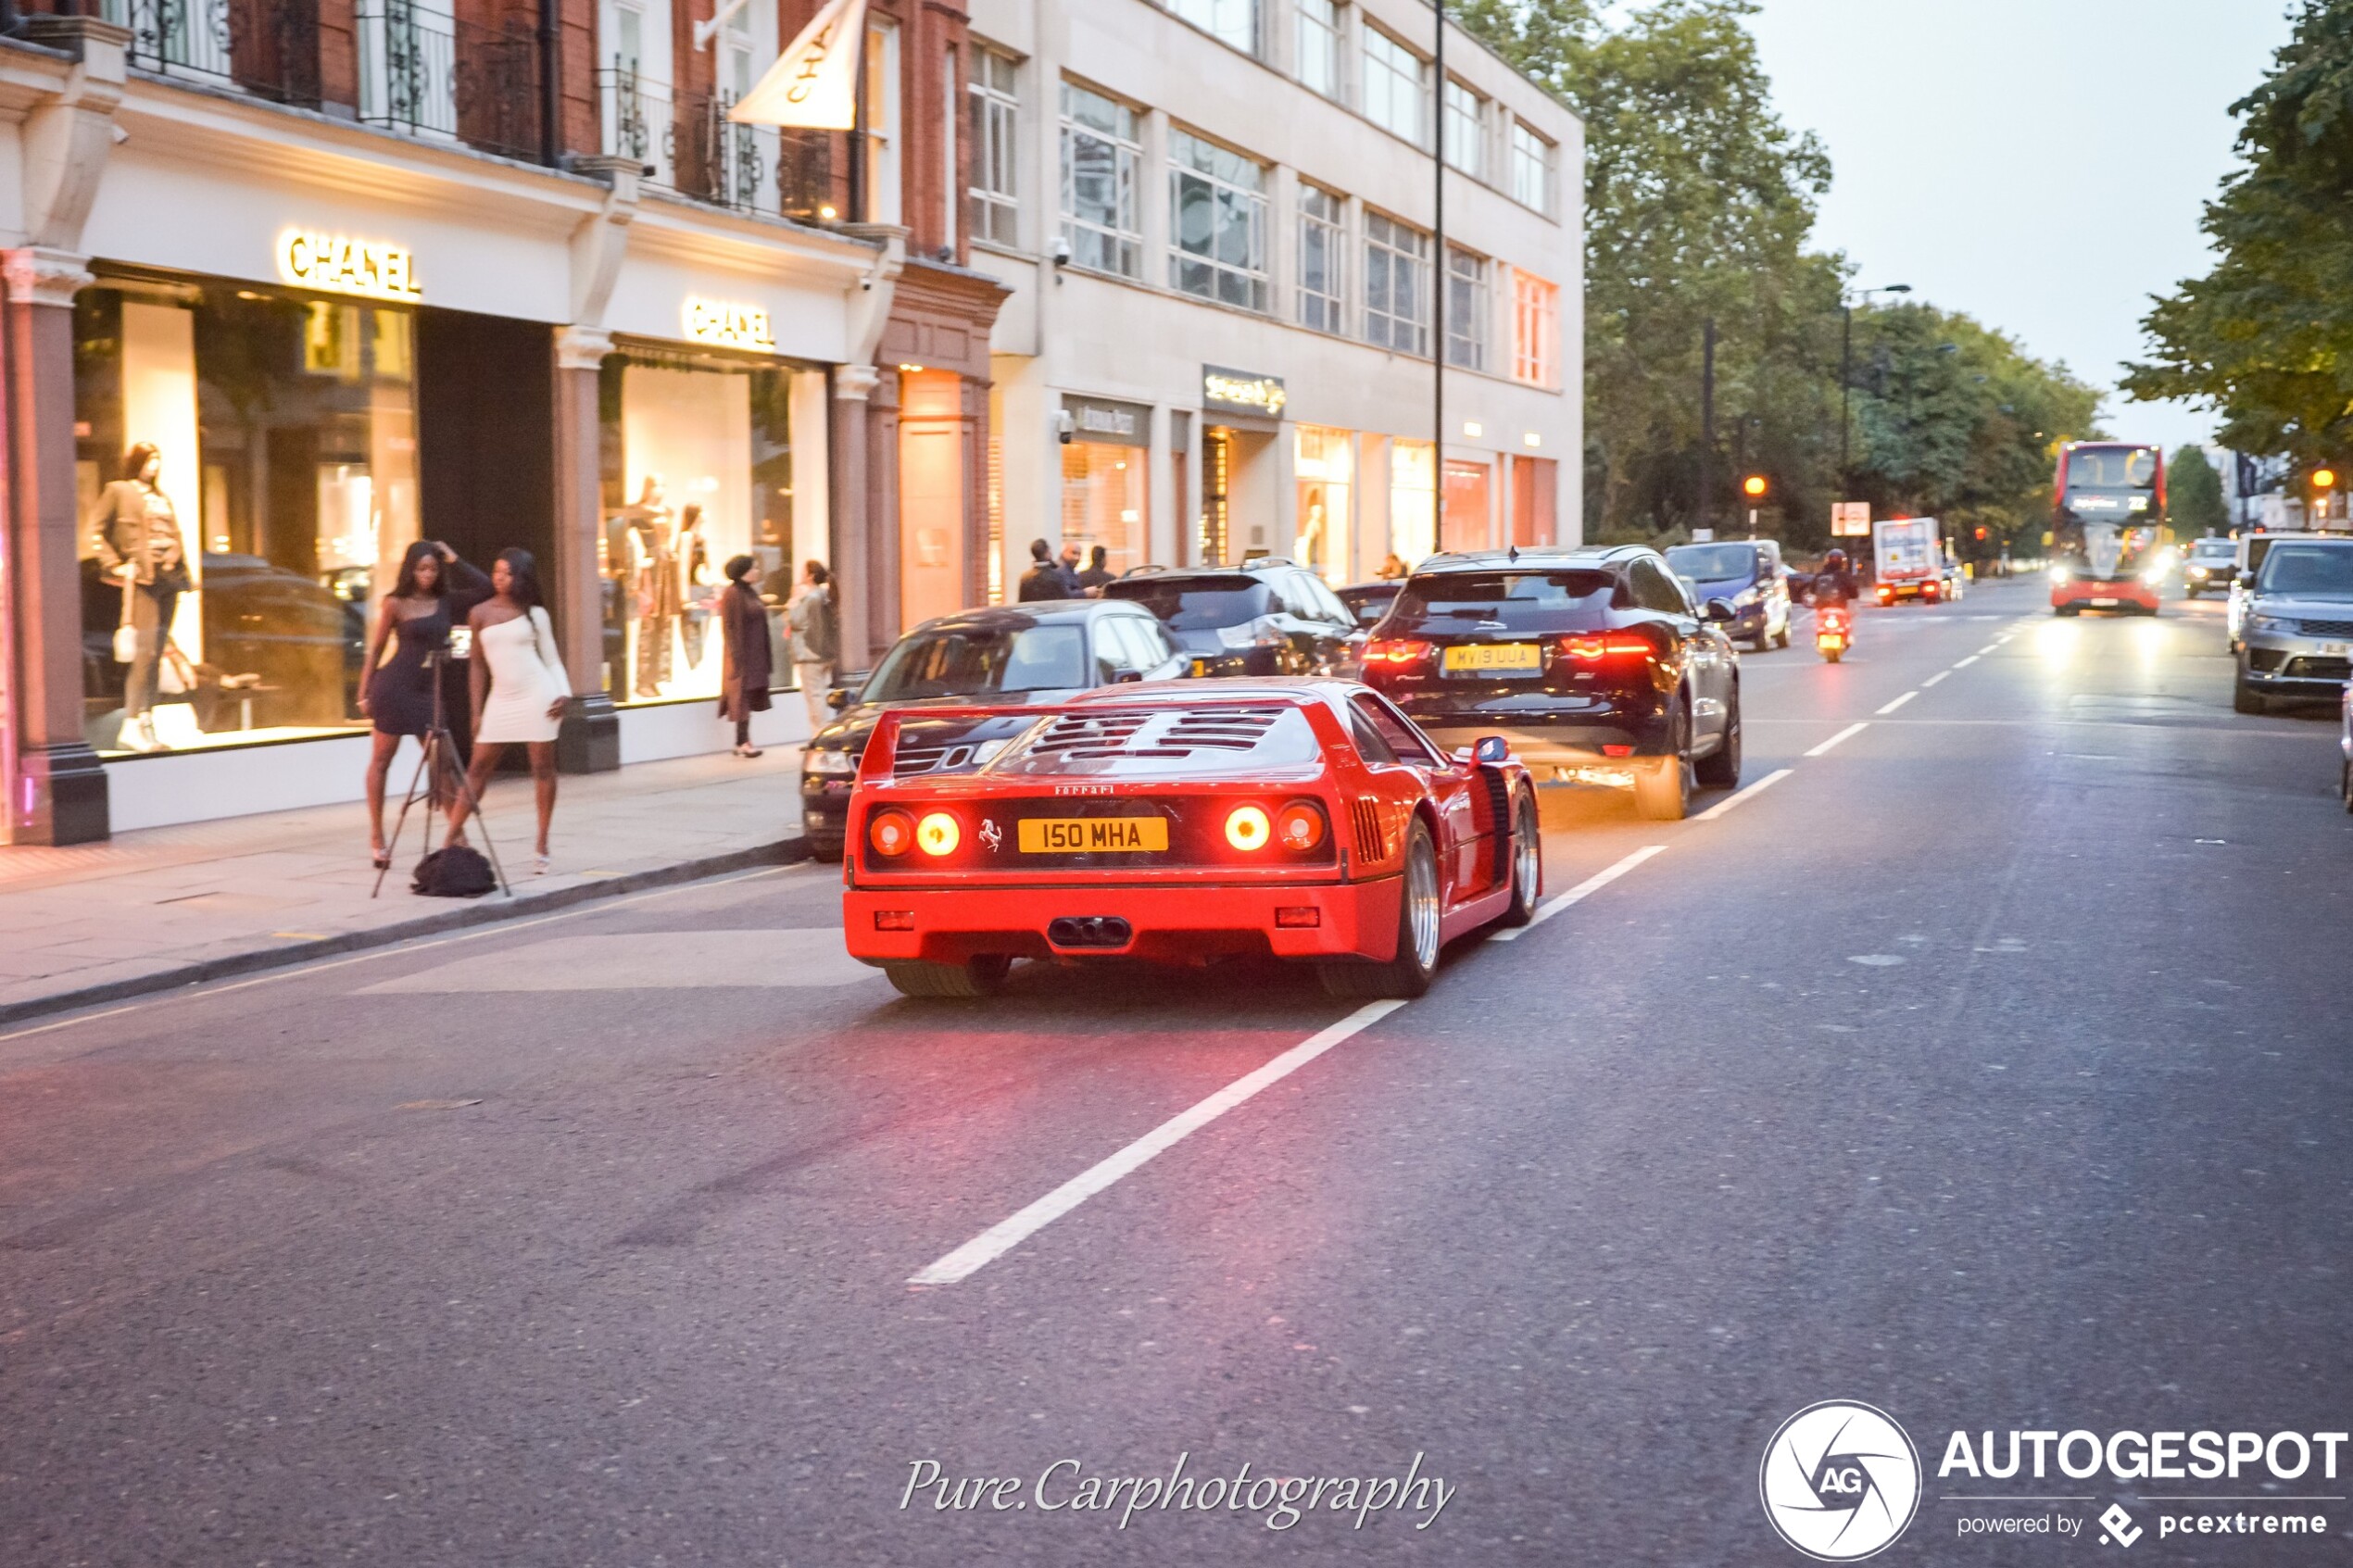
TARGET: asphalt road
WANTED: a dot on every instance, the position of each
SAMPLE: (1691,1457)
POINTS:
(1988,1067)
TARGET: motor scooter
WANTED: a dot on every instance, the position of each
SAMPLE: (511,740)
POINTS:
(1833,631)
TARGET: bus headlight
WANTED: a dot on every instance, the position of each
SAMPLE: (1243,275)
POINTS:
(2061,576)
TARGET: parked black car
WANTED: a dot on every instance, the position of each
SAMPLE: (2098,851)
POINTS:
(1039,652)
(1369,601)
(1265,617)
(1592,661)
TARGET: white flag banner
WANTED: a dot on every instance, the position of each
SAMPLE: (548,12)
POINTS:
(813,84)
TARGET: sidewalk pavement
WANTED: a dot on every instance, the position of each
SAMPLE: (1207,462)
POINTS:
(166,907)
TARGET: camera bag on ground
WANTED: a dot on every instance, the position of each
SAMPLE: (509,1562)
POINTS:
(459,872)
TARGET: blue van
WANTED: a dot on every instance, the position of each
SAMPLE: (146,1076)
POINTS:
(1749,574)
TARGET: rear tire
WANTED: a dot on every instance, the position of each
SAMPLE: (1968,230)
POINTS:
(1721,769)
(1528,863)
(1783,641)
(2344,782)
(1830,656)
(1419,912)
(2067,610)
(1664,794)
(828,853)
(975,978)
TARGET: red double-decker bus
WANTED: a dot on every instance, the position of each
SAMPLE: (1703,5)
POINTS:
(2108,538)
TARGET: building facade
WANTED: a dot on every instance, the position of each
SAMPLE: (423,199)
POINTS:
(1217,223)
(298,282)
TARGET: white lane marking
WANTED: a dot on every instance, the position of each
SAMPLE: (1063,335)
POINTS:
(1851,730)
(1990,648)
(1584,889)
(1897,703)
(1759,787)
(1969,660)
(1011,1232)
(1934,679)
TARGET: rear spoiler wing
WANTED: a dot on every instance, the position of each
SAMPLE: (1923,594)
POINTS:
(880,764)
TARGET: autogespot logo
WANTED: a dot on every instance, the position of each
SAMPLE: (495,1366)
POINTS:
(1840,1481)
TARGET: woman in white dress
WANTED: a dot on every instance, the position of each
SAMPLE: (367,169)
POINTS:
(520,689)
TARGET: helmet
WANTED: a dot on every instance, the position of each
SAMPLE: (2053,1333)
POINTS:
(1834,561)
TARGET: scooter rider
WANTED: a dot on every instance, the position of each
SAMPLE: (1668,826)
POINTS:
(1834,584)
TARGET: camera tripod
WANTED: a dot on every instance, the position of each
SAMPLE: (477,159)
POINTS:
(440,750)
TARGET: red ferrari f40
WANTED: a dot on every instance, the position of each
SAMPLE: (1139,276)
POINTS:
(1181,822)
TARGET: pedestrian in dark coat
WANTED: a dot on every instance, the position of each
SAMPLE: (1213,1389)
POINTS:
(743,677)
(1045,579)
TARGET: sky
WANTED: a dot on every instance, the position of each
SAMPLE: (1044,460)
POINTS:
(2039,164)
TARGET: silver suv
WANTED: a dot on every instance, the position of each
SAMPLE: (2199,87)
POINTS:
(2297,641)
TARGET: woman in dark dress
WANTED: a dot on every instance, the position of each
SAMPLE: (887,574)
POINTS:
(397,691)
(743,679)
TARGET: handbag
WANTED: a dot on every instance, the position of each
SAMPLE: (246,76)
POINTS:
(126,636)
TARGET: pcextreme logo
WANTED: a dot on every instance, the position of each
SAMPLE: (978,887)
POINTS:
(1840,1481)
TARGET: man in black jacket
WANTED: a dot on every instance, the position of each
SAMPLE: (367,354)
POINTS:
(1045,579)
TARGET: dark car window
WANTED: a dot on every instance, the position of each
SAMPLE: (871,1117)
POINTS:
(1716,563)
(971,661)
(1198,604)
(1396,731)
(1126,641)
(1369,745)
(2312,572)
(1520,601)
(1328,606)
(1656,589)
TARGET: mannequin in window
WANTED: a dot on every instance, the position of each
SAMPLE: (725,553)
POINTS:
(651,561)
(137,537)
(1311,531)
(690,562)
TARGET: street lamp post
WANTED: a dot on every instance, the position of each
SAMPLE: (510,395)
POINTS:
(1846,383)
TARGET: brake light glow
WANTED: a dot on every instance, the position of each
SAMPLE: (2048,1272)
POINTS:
(891,832)
(1300,825)
(1247,828)
(1397,651)
(937,834)
(1617,645)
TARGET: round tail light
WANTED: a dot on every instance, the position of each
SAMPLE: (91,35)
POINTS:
(1299,826)
(937,834)
(1247,828)
(891,832)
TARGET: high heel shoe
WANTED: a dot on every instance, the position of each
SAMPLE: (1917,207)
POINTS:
(539,865)
(379,858)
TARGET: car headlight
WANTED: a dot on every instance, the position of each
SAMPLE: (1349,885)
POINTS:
(2197,571)
(2273,624)
(829,763)
(1747,599)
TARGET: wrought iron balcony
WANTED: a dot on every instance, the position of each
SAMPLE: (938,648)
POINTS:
(687,141)
(427,75)
(269,48)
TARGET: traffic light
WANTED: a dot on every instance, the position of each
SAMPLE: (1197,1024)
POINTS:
(1981,534)
(1753,487)
(2323,479)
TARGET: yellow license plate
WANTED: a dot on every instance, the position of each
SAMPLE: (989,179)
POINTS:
(1083,836)
(1495,656)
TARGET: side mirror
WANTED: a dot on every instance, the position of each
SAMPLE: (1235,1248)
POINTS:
(2247,580)
(1490,749)
(1719,611)
(1126,677)
(838,699)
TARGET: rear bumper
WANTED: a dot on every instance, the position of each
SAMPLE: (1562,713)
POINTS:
(2103,596)
(1357,919)
(1924,588)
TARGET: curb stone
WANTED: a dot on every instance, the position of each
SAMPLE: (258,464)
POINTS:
(486,910)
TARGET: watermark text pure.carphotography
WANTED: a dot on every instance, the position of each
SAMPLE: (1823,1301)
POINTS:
(1073,1487)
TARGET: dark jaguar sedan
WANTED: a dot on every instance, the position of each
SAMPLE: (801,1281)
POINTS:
(1593,663)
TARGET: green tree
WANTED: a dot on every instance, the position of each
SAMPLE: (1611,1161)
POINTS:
(1698,201)
(2194,494)
(1956,422)
(1699,205)
(2266,337)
